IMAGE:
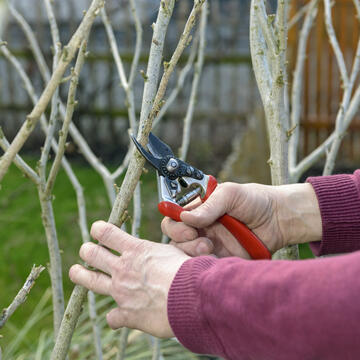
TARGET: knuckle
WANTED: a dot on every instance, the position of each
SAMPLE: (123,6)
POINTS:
(95,280)
(106,233)
(89,251)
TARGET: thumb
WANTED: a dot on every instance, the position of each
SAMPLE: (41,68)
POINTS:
(118,318)
(219,203)
(112,237)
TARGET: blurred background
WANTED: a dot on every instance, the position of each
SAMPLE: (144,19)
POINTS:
(228,137)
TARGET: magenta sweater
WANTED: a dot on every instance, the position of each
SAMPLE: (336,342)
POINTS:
(263,310)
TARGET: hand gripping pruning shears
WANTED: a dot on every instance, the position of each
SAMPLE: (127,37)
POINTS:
(179,184)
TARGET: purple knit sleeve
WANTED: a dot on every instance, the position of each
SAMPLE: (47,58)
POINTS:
(339,202)
(274,310)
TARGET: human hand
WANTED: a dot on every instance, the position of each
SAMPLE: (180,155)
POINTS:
(278,215)
(139,280)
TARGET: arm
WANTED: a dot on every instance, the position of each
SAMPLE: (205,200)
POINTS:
(339,201)
(243,309)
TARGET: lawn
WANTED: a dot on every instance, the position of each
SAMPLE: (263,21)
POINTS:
(23,241)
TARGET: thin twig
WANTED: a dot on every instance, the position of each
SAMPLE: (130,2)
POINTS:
(114,49)
(195,85)
(55,99)
(70,106)
(297,17)
(184,72)
(335,44)
(297,86)
(21,296)
(19,162)
(34,45)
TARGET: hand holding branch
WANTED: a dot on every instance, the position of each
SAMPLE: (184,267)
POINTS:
(139,280)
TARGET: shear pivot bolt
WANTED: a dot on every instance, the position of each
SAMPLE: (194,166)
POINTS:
(172,165)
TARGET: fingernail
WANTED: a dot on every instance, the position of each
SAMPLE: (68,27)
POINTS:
(96,228)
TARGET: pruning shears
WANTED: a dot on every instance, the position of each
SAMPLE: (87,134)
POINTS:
(180,183)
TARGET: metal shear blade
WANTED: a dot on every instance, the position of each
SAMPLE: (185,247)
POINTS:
(154,161)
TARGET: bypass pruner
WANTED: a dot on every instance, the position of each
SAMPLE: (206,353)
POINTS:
(179,184)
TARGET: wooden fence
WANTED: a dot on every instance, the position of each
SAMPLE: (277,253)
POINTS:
(228,92)
(322,88)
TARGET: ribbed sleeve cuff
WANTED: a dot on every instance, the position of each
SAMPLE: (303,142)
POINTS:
(339,202)
(185,308)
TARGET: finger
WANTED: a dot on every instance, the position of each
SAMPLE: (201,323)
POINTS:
(92,280)
(98,257)
(113,237)
(117,318)
(219,203)
(178,231)
(198,247)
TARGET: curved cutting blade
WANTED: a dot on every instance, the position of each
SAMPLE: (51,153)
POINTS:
(158,148)
(154,161)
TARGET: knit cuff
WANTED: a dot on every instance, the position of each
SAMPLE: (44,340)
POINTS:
(185,308)
(339,202)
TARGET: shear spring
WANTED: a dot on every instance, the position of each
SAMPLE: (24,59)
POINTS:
(186,199)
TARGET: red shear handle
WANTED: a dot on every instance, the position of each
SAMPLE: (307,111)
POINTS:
(246,238)
(171,210)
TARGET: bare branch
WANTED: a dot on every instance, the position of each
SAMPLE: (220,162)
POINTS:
(34,45)
(297,86)
(67,55)
(259,58)
(20,298)
(335,44)
(55,99)
(137,162)
(114,48)
(180,82)
(297,17)
(19,162)
(311,159)
(123,340)
(68,323)
(195,84)
(266,28)
(71,103)
(138,45)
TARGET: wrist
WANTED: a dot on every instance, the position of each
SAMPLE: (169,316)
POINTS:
(299,214)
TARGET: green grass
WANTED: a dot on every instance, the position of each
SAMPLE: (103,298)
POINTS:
(23,241)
